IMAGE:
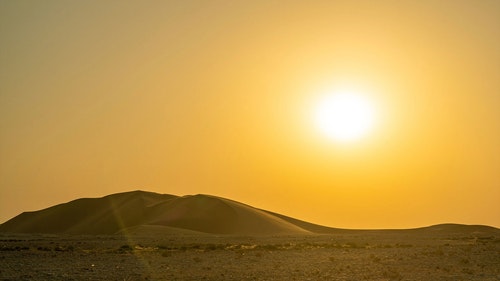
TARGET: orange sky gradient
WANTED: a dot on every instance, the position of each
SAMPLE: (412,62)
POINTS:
(216,97)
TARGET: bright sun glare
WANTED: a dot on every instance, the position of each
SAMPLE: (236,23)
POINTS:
(345,116)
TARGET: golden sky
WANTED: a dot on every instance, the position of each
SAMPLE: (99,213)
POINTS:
(216,97)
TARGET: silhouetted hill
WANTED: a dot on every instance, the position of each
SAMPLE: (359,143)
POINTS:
(140,212)
(452,228)
(88,215)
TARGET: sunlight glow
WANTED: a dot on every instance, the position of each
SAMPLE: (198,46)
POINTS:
(345,116)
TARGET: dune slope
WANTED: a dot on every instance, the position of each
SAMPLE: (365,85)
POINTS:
(142,213)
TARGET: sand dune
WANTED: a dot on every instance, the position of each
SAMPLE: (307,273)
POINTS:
(140,212)
(104,215)
(212,214)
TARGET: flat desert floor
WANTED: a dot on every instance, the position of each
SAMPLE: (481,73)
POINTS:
(368,255)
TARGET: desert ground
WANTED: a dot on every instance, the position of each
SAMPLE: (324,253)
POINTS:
(148,236)
(360,255)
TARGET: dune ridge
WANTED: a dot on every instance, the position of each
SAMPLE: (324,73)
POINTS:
(141,212)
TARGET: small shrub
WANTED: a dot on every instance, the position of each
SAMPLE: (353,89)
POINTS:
(465,261)
(268,247)
(404,245)
(196,246)
(211,247)
(392,275)
(58,249)
(468,271)
(46,249)
(375,258)
(125,248)
(352,245)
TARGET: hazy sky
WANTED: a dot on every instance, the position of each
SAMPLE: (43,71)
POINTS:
(216,97)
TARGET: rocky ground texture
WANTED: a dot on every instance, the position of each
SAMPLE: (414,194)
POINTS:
(371,256)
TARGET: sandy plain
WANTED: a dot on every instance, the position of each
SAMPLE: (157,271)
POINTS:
(362,255)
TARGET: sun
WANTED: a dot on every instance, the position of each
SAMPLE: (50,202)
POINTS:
(345,116)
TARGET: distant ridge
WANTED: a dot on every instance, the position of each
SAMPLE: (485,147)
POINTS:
(141,212)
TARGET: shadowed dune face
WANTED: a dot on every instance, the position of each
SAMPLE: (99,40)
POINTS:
(104,215)
(199,213)
(140,211)
(146,212)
